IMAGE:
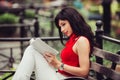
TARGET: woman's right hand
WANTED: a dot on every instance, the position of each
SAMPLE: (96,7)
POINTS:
(52,60)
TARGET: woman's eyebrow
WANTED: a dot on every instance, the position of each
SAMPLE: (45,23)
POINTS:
(61,23)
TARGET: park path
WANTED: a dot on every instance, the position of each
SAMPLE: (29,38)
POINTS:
(5,50)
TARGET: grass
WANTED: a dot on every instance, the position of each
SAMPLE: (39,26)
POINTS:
(112,47)
(2,76)
(5,75)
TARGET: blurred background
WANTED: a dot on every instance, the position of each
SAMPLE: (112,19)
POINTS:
(35,18)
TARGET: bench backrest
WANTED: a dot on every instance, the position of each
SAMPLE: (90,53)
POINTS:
(100,69)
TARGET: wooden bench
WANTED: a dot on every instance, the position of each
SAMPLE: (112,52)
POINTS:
(99,70)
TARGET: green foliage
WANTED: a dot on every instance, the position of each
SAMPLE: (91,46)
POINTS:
(5,75)
(110,46)
(2,76)
(8,18)
(29,14)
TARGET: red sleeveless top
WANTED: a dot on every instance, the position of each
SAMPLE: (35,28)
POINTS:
(68,56)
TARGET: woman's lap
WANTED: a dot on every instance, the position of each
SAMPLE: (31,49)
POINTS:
(32,60)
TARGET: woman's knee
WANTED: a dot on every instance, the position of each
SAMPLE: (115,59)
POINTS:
(29,50)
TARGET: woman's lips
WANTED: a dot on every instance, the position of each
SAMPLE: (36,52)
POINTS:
(66,33)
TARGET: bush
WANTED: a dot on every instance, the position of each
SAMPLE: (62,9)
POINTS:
(8,18)
(29,14)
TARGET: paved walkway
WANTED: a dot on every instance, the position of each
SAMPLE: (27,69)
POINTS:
(5,51)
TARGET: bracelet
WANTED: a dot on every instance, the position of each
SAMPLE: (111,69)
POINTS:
(61,67)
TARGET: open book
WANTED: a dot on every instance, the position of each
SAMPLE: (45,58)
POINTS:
(42,47)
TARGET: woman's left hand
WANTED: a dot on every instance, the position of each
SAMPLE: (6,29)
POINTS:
(52,60)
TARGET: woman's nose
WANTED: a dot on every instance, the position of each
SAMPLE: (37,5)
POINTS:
(62,29)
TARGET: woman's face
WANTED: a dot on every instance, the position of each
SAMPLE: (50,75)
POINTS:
(65,27)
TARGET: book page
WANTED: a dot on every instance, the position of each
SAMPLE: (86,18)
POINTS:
(42,47)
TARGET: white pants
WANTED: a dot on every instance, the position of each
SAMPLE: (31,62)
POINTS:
(34,61)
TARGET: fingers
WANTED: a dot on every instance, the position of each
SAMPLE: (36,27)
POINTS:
(49,57)
(49,54)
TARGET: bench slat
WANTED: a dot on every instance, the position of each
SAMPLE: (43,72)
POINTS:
(105,71)
(107,55)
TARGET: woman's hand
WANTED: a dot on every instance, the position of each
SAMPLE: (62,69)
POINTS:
(52,60)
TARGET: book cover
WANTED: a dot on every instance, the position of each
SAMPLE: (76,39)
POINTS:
(42,47)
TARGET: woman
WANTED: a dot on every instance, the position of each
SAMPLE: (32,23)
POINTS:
(74,57)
